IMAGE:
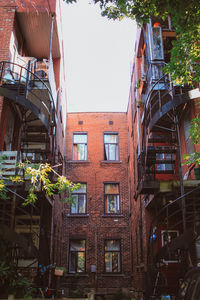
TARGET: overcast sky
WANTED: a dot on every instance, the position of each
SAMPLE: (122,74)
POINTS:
(99,55)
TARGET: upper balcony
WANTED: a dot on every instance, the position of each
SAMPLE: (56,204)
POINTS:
(162,96)
(31,87)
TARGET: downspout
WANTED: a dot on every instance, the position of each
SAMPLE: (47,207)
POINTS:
(180,173)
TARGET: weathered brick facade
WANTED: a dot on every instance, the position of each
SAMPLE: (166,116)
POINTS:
(96,226)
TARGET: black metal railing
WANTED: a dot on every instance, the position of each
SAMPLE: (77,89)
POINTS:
(26,87)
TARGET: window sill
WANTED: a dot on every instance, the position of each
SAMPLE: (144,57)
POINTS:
(78,215)
(111,161)
(112,216)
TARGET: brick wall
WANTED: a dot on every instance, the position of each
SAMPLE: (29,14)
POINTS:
(96,226)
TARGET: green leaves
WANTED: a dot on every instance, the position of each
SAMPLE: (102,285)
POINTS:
(193,158)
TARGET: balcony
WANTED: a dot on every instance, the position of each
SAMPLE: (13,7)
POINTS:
(31,88)
(162,96)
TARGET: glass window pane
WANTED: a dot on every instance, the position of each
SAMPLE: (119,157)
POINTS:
(81,151)
(82,189)
(111,138)
(81,262)
(72,262)
(157,43)
(112,204)
(115,262)
(74,206)
(108,262)
(77,245)
(82,204)
(111,188)
(169,167)
(161,167)
(112,152)
(75,152)
(80,138)
(112,245)
(106,152)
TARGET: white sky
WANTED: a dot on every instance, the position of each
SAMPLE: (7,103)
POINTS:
(99,55)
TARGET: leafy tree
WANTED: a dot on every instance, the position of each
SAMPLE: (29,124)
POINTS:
(184,66)
(42,177)
(194,158)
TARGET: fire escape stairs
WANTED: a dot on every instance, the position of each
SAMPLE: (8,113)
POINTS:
(25,88)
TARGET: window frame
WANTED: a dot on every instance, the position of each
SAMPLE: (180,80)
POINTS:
(116,148)
(78,193)
(104,197)
(76,262)
(119,266)
(164,166)
(85,149)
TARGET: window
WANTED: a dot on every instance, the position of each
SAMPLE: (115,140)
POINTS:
(80,146)
(112,256)
(165,166)
(77,256)
(111,149)
(79,200)
(188,140)
(167,236)
(157,46)
(111,198)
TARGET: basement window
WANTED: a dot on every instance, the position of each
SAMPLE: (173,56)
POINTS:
(112,256)
(77,256)
(111,146)
(79,200)
(80,146)
(111,198)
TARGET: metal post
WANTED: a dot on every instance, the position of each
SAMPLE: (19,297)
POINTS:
(51,37)
(180,173)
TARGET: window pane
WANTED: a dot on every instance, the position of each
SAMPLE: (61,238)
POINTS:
(82,189)
(77,245)
(108,262)
(81,152)
(111,188)
(115,262)
(106,152)
(112,152)
(74,206)
(111,138)
(112,245)
(80,138)
(161,167)
(72,262)
(81,262)
(82,203)
(112,204)
(157,43)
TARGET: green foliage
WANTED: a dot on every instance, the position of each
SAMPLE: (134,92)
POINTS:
(184,66)
(193,158)
(11,281)
(42,178)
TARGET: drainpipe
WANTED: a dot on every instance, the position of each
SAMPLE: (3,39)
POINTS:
(180,173)
(51,37)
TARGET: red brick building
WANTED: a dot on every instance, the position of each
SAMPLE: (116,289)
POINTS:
(164,195)
(96,229)
(32,114)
